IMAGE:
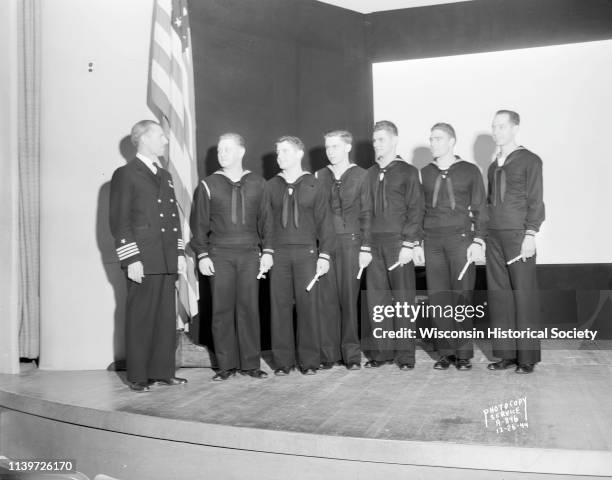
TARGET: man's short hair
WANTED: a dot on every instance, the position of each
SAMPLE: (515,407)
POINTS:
(512,115)
(295,141)
(139,129)
(387,126)
(445,127)
(236,137)
(345,135)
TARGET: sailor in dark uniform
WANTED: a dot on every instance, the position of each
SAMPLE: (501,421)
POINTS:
(455,227)
(338,309)
(516,211)
(229,225)
(144,220)
(303,239)
(396,200)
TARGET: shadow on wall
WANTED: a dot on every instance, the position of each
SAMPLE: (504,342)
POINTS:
(269,165)
(208,164)
(421,156)
(108,254)
(316,159)
(363,153)
(484,150)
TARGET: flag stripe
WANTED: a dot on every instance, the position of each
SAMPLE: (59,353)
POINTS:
(171,95)
(161,37)
(162,18)
(163,59)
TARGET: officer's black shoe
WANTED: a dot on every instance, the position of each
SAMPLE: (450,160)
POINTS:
(353,366)
(171,381)
(376,363)
(223,375)
(406,366)
(326,365)
(525,368)
(502,364)
(463,364)
(282,371)
(140,387)
(309,371)
(255,373)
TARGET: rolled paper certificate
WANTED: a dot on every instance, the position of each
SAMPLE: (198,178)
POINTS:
(464,269)
(312,282)
(359,274)
(394,266)
(515,259)
(261,275)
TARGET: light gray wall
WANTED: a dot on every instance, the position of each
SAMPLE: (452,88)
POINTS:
(9,355)
(85,115)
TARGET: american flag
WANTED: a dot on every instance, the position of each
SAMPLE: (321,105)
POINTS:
(171,97)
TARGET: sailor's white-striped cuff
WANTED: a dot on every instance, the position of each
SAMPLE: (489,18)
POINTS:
(181,244)
(202,255)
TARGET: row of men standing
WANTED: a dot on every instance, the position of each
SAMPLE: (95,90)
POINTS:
(343,219)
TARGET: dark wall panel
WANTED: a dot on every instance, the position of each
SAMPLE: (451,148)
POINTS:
(267,68)
(485,25)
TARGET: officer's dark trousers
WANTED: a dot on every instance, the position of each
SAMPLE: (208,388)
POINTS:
(445,257)
(513,295)
(338,309)
(294,268)
(386,287)
(235,307)
(150,333)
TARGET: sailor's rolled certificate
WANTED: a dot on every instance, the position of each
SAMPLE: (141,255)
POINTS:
(359,274)
(312,282)
(394,266)
(464,269)
(515,259)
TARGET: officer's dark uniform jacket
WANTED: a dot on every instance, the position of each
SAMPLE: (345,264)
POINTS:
(144,218)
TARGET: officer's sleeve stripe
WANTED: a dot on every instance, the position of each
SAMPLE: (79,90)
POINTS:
(128,253)
(207,189)
(128,246)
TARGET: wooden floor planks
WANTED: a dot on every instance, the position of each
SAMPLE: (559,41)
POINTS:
(568,400)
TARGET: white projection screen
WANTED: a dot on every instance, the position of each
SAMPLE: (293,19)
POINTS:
(564,96)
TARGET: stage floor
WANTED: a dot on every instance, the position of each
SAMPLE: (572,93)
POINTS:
(564,405)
